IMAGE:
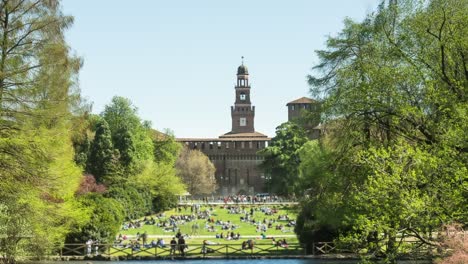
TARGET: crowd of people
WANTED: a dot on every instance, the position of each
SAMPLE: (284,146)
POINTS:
(189,215)
(246,199)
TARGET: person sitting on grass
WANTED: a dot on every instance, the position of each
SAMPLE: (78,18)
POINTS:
(161,243)
(154,243)
(284,244)
(136,246)
(208,242)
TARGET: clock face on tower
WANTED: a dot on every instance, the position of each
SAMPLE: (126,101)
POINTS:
(242,96)
(242,121)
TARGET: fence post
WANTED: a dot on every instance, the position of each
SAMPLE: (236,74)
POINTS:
(313,248)
(226,251)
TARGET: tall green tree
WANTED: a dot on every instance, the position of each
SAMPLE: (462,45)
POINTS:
(394,89)
(129,133)
(38,95)
(166,149)
(282,158)
(101,160)
(124,143)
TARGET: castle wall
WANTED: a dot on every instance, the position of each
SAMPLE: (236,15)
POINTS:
(236,161)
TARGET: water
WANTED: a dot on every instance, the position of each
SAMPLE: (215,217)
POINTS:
(216,261)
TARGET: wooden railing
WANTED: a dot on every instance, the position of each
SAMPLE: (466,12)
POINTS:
(408,248)
(319,248)
(192,250)
(224,250)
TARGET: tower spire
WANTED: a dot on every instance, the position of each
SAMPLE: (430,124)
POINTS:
(242,113)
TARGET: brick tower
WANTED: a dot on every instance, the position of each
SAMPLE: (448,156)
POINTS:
(242,113)
(234,154)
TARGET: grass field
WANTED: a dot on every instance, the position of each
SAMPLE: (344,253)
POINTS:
(220,212)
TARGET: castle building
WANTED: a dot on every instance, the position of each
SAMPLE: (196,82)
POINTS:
(298,108)
(234,154)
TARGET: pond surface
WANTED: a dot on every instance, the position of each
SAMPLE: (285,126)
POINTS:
(216,261)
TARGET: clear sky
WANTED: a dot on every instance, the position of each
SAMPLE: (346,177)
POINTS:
(176,60)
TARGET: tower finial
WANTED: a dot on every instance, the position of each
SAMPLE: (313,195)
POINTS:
(242,60)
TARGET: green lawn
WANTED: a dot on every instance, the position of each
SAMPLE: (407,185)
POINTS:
(218,212)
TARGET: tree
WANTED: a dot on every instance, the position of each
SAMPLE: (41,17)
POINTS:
(106,218)
(394,92)
(161,181)
(136,202)
(38,95)
(197,172)
(130,135)
(125,145)
(282,158)
(166,149)
(88,184)
(102,156)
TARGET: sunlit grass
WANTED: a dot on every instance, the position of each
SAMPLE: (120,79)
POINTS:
(245,229)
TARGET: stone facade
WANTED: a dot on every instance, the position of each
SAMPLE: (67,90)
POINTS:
(298,107)
(234,154)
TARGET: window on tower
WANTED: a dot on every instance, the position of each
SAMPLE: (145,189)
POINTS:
(242,121)
(242,96)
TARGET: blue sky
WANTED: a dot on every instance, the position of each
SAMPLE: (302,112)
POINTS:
(176,60)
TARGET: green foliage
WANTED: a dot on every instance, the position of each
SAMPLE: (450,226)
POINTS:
(166,149)
(393,159)
(38,96)
(160,179)
(162,202)
(106,218)
(129,135)
(324,207)
(124,143)
(101,160)
(135,202)
(134,161)
(282,158)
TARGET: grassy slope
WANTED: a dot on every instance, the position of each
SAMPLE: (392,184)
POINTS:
(220,213)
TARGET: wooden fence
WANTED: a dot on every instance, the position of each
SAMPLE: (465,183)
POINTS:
(224,250)
(192,250)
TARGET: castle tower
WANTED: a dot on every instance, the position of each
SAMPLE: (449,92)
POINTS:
(235,154)
(242,113)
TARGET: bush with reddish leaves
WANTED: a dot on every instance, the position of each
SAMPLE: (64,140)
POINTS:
(88,184)
(454,241)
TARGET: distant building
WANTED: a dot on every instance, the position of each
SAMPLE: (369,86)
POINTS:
(234,154)
(297,110)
